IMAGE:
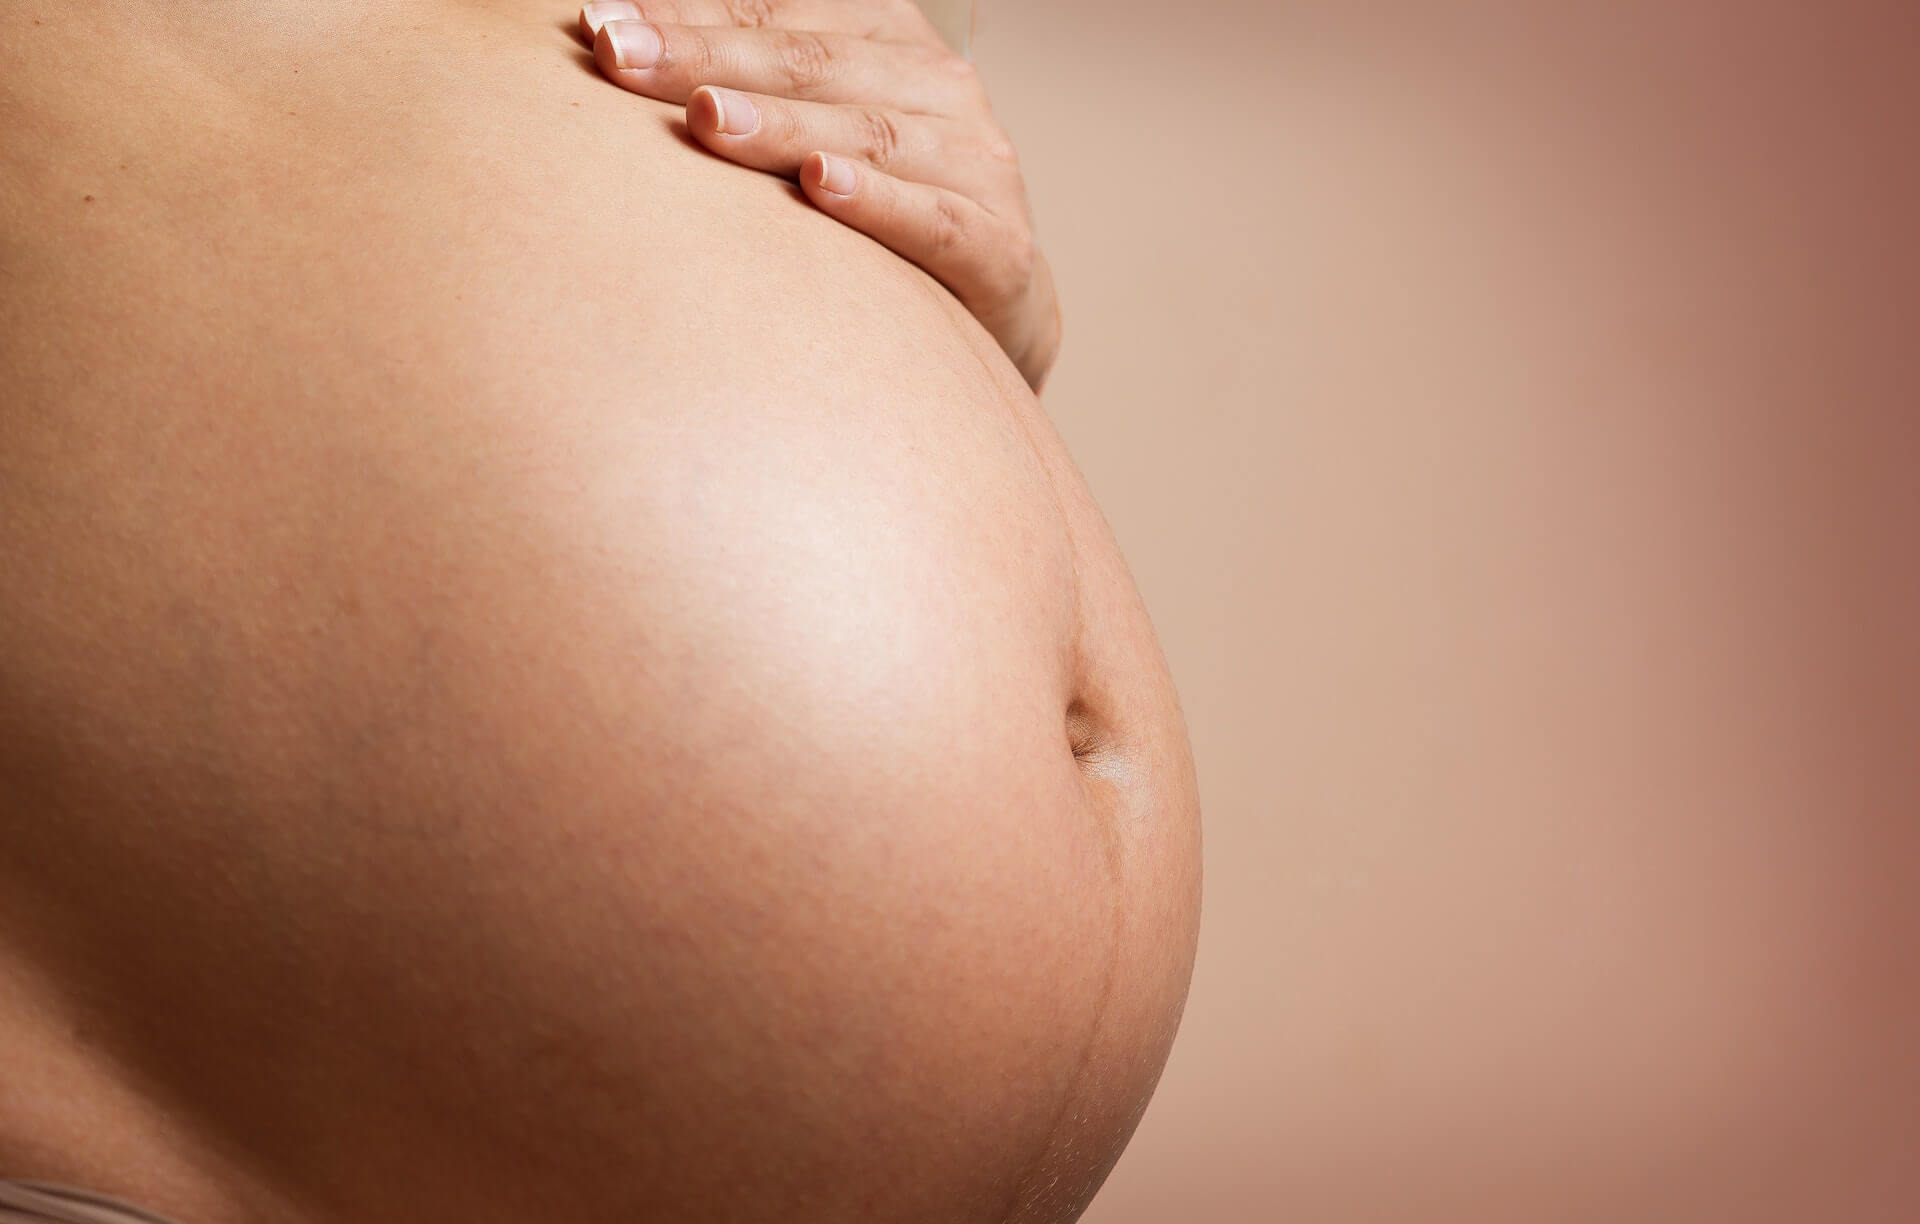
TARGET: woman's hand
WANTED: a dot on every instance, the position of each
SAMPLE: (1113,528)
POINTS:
(885,128)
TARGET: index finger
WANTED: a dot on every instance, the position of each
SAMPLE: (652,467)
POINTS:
(886,20)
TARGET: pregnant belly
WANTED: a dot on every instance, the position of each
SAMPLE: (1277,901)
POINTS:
(540,678)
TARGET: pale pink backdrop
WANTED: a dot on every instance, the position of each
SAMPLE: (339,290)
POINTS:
(1509,412)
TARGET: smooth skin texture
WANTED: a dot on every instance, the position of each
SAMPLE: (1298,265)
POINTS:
(881,124)
(541,676)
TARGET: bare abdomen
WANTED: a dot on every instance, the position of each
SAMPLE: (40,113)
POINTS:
(556,711)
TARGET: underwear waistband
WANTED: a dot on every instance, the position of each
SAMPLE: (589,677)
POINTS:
(30,1202)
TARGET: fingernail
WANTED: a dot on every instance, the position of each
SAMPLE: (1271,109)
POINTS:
(600,12)
(836,175)
(635,43)
(734,113)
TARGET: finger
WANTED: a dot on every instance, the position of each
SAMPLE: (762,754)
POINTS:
(893,20)
(986,261)
(669,62)
(777,134)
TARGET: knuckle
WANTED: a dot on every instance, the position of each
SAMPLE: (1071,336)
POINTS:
(784,126)
(964,75)
(1020,255)
(806,60)
(752,14)
(951,230)
(691,53)
(1012,266)
(880,138)
(962,81)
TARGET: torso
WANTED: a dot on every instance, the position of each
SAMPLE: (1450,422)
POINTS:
(539,676)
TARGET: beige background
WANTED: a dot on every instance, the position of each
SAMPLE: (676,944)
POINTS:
(1509,414)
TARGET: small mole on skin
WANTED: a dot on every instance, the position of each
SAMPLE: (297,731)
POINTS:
(88,199)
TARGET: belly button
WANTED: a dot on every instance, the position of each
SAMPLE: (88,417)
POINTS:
(1091,741)
(1083,731)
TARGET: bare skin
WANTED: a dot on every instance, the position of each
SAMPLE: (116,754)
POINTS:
(881,124)
(541,676)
